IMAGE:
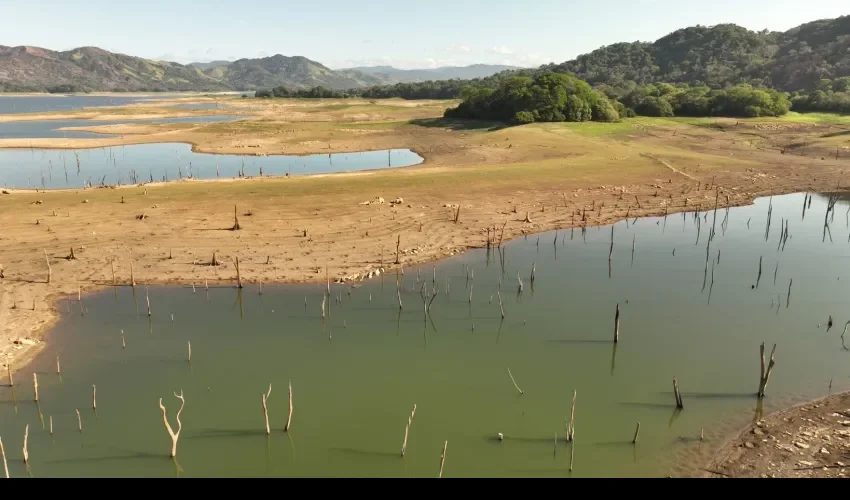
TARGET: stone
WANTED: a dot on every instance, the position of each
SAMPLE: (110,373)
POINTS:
(749,445)
(758,432)
(824,451)
(802,445)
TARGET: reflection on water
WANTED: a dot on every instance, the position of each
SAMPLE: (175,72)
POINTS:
(357,374)
(56,168)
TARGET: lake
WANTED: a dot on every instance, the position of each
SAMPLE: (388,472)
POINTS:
(47,103)
(686,311)
(50,128)
(25,168)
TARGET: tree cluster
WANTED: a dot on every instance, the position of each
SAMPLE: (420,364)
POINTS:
(830,96)
(549,97)
(664,99)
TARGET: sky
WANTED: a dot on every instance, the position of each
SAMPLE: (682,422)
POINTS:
(346,33)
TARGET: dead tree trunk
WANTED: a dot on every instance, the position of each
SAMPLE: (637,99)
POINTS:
(397,245)
(407,431)
(572,429)
(174,435)
(765,371)
(49,270)
(236,226)
(676,393)
(238,274)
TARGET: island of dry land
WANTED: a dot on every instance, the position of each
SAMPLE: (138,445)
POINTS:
(516,180)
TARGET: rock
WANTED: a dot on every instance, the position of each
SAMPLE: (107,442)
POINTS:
(824,451)
(804,463)
(758,432)
(845,423)
(749,445)
(85,201)
(397,201)
(802,445)
(501,436)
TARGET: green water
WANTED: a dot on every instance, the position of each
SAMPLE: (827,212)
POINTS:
(357,375)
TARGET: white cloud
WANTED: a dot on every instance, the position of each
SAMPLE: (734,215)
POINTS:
(458,48)
(501,50)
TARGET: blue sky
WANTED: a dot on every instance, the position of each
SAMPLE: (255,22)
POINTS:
(414,34)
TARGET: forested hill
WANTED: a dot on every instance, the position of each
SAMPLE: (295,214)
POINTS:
(722,55)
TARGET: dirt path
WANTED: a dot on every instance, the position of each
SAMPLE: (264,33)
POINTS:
(809,440)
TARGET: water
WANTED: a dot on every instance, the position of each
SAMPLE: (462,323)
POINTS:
(44,104)
(50,128)
(356,376)
(25,168)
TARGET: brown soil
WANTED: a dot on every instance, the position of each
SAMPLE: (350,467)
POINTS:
(809,440)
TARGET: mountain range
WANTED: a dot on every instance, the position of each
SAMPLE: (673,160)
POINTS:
(720,55)
(34,69)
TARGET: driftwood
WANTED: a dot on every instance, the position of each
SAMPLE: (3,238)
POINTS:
(572,429)
(94,397)
(765,371)
(174,435)
(35,387)
(12,382)
(637,432)
(79,420)
(407,431)
(397,245)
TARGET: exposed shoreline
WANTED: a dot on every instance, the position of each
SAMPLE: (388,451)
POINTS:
(49,316)
(810,439)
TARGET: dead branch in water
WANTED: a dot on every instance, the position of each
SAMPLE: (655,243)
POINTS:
(289,420)
(765,371)
(35,387)
(94,397)
(676,393)
(26,436)
(3,456)
(80,420)
(12,382)
(501,308)
(617,324)
(407,431)
(397,246)
(637,432)
(266,409)
(443,458)
(514,381)
(148,299)
(572,428)
(174,435)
